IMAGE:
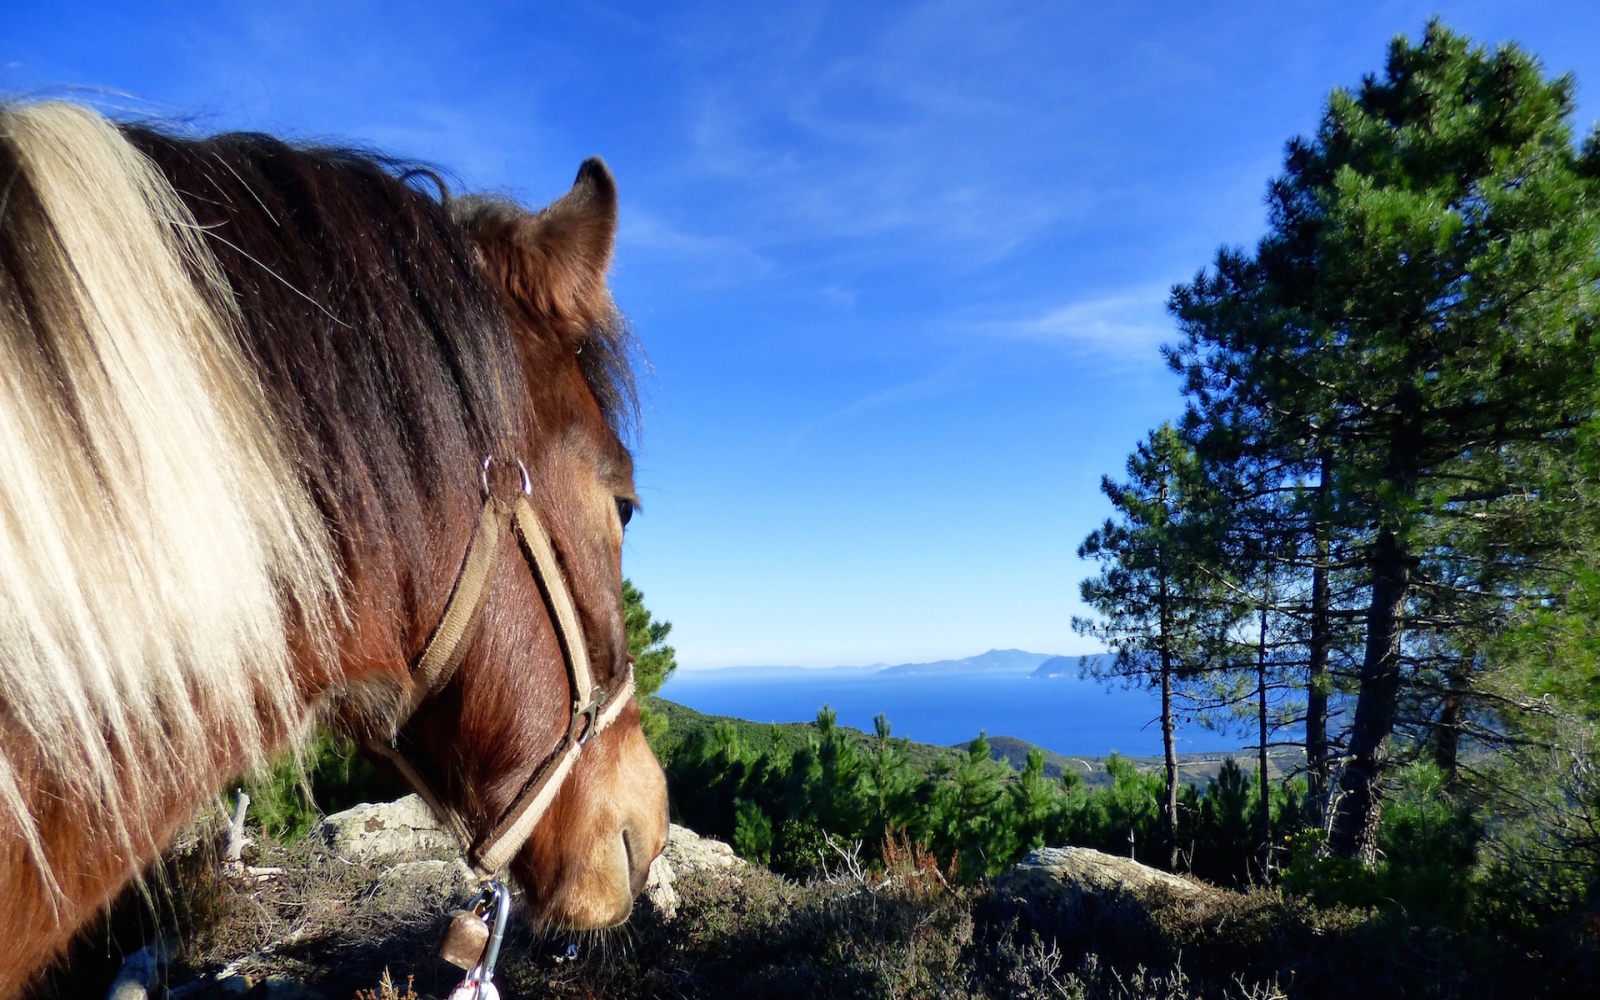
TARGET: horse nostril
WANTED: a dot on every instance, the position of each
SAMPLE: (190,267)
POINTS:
(638,858)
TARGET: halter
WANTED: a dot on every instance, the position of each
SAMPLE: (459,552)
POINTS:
(592,708)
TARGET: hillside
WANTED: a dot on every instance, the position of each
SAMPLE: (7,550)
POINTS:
(330,923)
(1193,768)
(1073,666)
(682,721)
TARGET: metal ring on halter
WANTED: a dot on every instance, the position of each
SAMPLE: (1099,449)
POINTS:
(588,712)
(483,476)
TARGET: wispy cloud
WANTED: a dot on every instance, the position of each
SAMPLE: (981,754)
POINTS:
(887,146)
(1124,324)
(715,260)
(941,381)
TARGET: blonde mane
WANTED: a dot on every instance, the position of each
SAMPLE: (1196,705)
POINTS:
(156,541)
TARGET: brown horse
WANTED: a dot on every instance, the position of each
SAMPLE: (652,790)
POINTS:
(257,403)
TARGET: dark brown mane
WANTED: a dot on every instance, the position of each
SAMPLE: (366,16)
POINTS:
(306,233)
(399,390)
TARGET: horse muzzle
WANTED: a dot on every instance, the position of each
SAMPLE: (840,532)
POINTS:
(587,862)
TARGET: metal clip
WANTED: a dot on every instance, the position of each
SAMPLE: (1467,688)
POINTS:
(493,903)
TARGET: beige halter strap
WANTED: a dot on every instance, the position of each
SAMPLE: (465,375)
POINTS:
(592,709)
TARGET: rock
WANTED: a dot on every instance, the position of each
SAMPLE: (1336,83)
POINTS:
(226,988)
(285,989)
(687,851)
(137,977)
(1067,873)
(658,890)
(404,827)
(445,876)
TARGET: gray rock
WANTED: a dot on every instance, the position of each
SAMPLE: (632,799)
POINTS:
(687,851)
(445,876)
(285,989)
(402,828)
(138,974)
(1072,872)
(658,890)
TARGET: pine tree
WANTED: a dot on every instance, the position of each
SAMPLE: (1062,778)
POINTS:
(1158,598)
(968,813)
(1421,307)
(1034,803)
(890,785)
(653,660)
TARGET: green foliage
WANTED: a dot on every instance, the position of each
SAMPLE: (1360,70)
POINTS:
(752,832)
(780,803)
(969,819)
(328,775)
(1428,873)
(1034,800)
(653,660)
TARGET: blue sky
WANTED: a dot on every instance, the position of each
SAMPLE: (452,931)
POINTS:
(899,268)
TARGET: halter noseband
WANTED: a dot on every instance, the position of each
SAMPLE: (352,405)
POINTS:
(592,709)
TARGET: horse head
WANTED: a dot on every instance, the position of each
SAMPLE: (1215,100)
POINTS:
(500,727)
(266,411)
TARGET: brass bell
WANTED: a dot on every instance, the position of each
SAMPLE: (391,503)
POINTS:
(465,939)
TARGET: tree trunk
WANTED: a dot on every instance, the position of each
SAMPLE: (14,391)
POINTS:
(1353,830)
(1317,687)
(1264,807)
(1169,807)
(1452,714)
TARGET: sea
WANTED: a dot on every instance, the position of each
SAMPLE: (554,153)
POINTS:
(1066,714)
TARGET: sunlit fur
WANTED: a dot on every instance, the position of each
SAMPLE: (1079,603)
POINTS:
(245,388)
(155,536)
(607,810)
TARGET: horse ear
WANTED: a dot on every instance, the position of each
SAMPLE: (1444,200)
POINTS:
(553,262)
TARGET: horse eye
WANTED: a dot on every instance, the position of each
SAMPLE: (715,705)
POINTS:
(625,510)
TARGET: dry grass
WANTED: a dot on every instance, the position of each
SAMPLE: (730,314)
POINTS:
(902,933)
(388,991)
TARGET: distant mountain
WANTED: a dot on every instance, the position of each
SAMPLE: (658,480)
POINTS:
(1058,666)
(995,660)
(1071,666)
(1015,660)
